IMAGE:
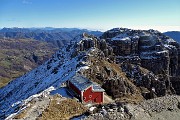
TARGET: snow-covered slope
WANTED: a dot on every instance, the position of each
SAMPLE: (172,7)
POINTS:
(48,76)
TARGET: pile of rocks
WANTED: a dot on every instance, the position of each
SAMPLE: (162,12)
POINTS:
(153,109)
(169,102)
(111,111)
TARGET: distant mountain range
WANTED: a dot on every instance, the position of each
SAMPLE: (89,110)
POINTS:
(57,36)
(174,34)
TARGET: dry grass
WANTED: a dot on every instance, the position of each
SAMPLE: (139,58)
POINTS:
(62,109)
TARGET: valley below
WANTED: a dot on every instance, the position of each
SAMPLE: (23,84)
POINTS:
(18,56)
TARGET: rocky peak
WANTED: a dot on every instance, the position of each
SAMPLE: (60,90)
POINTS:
(148,48)
(135,52)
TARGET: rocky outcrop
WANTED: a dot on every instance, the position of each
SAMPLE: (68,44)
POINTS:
(146,60)
(90,41)
(151,85)
(119,87)
(178,70)
(103,68)
(149,49)
(175,81)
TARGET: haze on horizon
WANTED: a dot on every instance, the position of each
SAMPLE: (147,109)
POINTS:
(162,15)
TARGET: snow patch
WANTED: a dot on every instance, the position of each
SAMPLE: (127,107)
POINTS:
(83,68)
(92,108)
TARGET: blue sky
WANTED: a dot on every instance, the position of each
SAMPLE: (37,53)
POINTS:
(93,14)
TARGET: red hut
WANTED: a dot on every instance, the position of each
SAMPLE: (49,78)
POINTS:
(86,90)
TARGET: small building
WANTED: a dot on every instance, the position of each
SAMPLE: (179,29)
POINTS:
(85,90)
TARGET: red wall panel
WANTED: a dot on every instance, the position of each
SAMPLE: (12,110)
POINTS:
(89,95)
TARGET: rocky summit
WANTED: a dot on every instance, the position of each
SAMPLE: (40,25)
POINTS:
(136,50)
(130,65)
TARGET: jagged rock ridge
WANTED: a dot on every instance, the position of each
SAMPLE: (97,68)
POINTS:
(149,49)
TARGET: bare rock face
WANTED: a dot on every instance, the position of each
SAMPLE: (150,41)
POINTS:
(103,68)
(149,49)
(178,70)
(129,62)
(118,87)
(151,85)
(175,80)
(90,41)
